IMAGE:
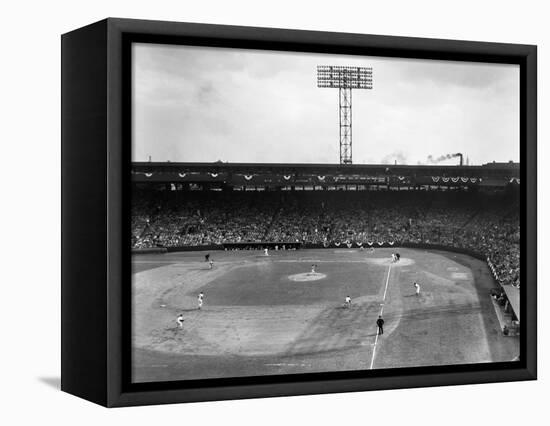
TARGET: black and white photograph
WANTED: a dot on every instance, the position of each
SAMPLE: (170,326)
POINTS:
(298,212)
(275,213)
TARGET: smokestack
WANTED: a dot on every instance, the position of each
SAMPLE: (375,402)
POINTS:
(458,154)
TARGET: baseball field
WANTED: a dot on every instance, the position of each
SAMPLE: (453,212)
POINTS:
(272,315)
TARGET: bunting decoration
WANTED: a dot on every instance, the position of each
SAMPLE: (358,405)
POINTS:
(454,179)
(285,177)
(492,267)
(248,177)
(321,178)
(148,174)
(182,175)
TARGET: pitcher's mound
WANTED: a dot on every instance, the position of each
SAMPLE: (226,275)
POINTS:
(307,276)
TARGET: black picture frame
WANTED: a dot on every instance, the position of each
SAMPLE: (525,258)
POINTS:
(95,206)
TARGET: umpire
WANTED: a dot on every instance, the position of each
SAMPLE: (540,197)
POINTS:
(380,324)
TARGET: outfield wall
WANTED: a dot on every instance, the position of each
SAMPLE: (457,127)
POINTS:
(149,250)
(296,245)
(424,246)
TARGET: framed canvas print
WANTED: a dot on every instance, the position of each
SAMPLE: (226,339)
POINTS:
(253,212)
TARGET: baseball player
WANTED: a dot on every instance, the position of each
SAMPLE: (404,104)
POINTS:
(200,300)
(180,320)
(348,302)
(380,324)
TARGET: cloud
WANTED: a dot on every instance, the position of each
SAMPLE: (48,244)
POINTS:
(205,104)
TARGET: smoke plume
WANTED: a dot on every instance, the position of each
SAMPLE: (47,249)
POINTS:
(434,160)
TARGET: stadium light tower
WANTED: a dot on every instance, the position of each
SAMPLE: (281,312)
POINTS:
(344,79)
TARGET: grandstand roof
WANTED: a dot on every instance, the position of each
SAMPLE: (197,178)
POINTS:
(486,170)
(272,174)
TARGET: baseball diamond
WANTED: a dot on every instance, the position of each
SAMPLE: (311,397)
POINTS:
(259,319)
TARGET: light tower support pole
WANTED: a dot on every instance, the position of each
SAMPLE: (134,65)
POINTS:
(345,125)
(345,79)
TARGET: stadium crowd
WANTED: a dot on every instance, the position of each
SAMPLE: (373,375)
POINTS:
(486,224)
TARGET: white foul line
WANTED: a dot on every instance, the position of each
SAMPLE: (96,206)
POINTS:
(381,311)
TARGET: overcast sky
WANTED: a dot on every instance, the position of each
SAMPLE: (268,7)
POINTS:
(203,104)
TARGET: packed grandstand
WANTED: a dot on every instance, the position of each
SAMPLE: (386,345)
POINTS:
(364,209)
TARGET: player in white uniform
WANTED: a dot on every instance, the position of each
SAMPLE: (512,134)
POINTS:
(417,287)
(348,302)
(200,299)
(266,252)
(211,263)
(313,268)
(180,320)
